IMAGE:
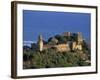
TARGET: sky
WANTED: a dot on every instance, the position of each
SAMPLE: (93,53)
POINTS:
(50,23)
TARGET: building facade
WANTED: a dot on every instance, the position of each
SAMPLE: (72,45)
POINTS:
(73,45)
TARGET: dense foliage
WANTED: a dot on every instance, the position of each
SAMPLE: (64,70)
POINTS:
(51,58)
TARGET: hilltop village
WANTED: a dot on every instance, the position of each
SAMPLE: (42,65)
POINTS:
(61,50)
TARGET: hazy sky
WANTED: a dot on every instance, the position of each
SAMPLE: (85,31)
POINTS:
(52,23)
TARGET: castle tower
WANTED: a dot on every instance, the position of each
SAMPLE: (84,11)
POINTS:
(73,45)
(40,43)
(79,37)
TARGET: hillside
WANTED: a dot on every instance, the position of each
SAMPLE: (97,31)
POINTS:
(50,57)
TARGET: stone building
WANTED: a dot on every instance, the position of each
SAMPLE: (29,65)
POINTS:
(40,43)
(79,37)
(69,45)
(62,47)
(76,46)
(66,34)
(59,47)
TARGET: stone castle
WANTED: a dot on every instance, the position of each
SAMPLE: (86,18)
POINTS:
(68,46)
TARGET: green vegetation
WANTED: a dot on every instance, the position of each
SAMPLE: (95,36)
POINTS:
(59,39)
(50,58)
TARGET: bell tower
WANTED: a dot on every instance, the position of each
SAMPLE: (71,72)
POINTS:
(40,43)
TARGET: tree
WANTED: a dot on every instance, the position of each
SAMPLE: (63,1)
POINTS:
(61,39)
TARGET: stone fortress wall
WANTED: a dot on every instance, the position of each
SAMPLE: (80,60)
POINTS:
(76,45)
